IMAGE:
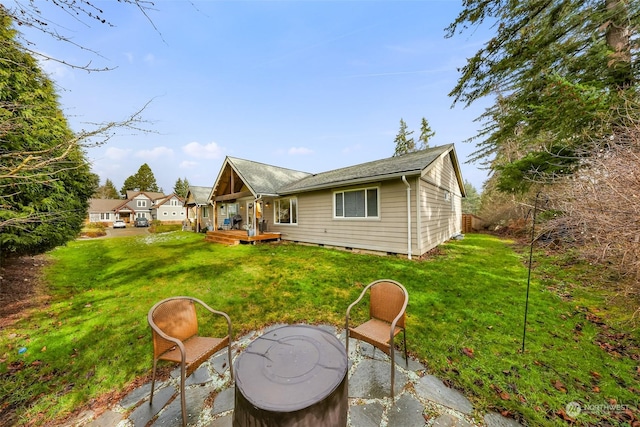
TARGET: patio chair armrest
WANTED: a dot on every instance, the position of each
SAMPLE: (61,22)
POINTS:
(178,343)
(362,294)
(395,321)
(220,313)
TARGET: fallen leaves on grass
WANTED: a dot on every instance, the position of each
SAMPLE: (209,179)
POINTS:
(503,394)
(557,384)
(468,352)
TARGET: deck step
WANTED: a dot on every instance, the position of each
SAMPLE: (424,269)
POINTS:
(217,238)
(235,237)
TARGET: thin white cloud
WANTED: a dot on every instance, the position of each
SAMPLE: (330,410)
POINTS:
(154,153)
(352,149)
(113,153)
(294,151)
(54,69)
(203,151)
(149,58)
(187,164)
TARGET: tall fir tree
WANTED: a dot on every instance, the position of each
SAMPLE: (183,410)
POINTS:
(425,134)
(562,74)
(107,191)
(404,143)
(45,179)
(181,187)
(143,180)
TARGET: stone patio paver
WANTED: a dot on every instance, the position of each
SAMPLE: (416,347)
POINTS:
(418,395)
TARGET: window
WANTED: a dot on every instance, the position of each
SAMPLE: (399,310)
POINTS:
(141,215)
(142,203)
(104,215)
(174,202)
(362,203)
(165,213)
(286,211)
(205,213)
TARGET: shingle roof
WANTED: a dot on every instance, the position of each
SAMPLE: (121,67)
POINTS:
(393,167)
(104,205)
(264,179)
(200,194)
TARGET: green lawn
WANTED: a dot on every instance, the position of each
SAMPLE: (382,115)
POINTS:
(465,319)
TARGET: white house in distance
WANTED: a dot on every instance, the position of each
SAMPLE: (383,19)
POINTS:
(145,204)
(400,205)
(169,209)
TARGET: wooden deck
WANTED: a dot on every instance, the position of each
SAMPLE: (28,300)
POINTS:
(235,237)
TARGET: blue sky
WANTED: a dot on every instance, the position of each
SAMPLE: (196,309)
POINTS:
(307,85)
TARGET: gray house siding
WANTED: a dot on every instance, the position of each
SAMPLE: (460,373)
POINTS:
(440,205)
(317,225)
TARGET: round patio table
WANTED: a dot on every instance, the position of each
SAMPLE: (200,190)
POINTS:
(292,376)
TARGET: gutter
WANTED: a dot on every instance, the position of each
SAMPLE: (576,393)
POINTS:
(404,179)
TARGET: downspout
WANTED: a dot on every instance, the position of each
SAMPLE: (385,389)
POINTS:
(404,179)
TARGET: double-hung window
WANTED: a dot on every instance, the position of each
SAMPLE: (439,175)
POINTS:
(286,211)
(142,203)
(360,203)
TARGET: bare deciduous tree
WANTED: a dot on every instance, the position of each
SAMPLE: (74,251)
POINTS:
(598,208)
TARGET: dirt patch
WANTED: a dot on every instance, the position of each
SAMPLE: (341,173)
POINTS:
(21,287)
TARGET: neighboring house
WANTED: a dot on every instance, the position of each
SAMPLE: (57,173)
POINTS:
(150,205)
(401,205)
(169,209)
(103,210)
(198,209)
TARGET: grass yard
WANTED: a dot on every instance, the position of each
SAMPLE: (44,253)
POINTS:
(465,320)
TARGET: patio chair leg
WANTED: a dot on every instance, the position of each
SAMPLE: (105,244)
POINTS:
(183,401)
(393,368)
(406,358)
(230,360)
(153,381)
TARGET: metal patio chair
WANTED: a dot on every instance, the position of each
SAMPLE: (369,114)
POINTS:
(388,301)
(174,328)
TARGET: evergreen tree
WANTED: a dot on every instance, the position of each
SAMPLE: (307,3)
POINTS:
(404,142)
(107,191)
(181,187)
(45,179)
(425,134)
(561,72)
(471,202)
(143,180)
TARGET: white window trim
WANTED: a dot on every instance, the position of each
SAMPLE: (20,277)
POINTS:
(275,211)
(357,218)
(141,204)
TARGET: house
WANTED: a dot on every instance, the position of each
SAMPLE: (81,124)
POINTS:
(401,205)
(103,210)
(198,209)
(169,209)
(146,204)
